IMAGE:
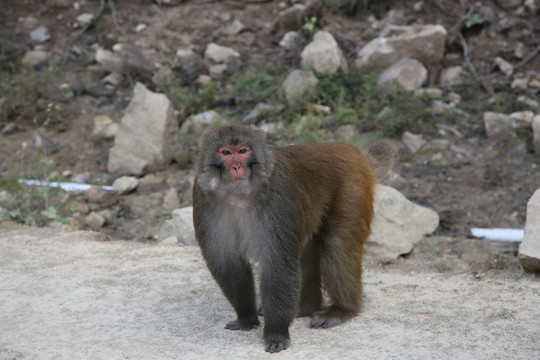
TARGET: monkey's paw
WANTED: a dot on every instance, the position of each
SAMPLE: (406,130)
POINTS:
(276,343)
(330,317)
(243,324)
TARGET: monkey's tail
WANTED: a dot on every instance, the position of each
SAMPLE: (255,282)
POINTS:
(382,155)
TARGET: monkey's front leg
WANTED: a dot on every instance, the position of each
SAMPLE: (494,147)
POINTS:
(280,290)
(235,277)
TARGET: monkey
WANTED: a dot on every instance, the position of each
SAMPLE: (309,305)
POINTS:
(302,212)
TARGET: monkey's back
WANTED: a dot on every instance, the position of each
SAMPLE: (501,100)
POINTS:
(334,183)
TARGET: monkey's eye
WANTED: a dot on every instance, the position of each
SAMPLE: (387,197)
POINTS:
(243,150)
(225,152)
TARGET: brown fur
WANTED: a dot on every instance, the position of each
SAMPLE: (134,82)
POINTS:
(304,214)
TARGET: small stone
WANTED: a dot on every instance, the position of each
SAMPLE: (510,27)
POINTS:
(35,57)
(10,128)
(496,123)
(85,18)
(504,66)
(452,75)
(234,28)
(519,84)
(125,184)
(534,83)
(290,40)
(102,197)
(522,118)
(524,100)
(186,55)
(95,221)
(216,54)
(171,200)
(140,27)
(413,142)
(104,127)
(218,71)
(519,50)
(40,35)
(432,93)
(113,79)
(410,73)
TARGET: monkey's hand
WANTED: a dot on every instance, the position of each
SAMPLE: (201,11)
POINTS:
(243,324)
(275,343)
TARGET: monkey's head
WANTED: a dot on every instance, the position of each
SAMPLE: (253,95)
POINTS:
(233,161)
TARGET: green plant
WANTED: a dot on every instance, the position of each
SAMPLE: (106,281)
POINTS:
(309,24)
(193,99)
(253,87)
(474,19)
(174,62)
(21,87)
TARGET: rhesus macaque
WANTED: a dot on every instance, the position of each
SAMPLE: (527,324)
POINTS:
(302,212)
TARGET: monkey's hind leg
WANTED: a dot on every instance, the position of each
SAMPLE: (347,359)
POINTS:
(311,293)
(341,268)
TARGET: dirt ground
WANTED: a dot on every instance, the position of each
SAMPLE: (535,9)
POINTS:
(471,181)
(72,295)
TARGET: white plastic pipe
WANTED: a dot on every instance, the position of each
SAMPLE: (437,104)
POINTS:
(66,186)
(498,234)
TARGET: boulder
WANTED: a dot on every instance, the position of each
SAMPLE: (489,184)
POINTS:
(424,43)
(323,54)
(147,135)
(399,224)
(180,226)
(529,249)
(299,86)
(407,72)
(536,133)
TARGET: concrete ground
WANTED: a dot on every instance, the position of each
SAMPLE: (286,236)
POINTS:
(71,295)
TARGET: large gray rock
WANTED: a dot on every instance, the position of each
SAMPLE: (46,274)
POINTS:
(407,72)
(529,250)
(147,135)
(299,86)
(323,54)
(536,133)
(399,224)
(424,43)
(179,227)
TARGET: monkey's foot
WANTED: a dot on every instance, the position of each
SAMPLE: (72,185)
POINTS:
(243,323)
(330,316)
(275,343)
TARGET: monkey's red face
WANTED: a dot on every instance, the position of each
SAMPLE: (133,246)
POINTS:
(235,159)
